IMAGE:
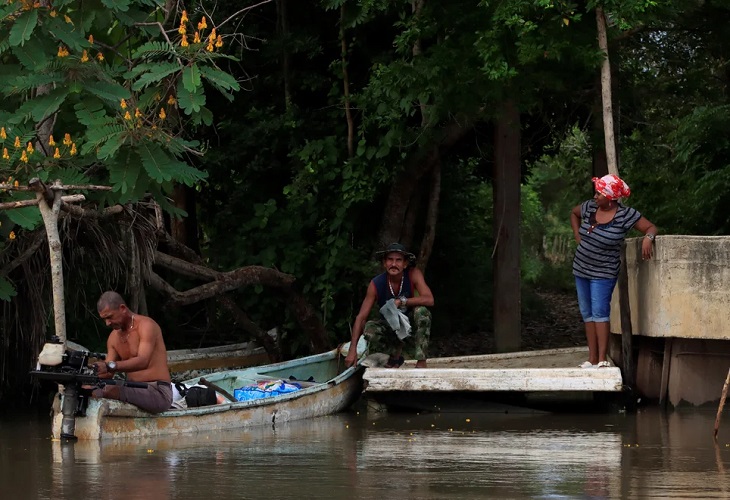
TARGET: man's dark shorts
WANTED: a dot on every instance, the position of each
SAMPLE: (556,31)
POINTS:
(155,398)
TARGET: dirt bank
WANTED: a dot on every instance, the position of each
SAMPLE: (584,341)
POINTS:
(558,324)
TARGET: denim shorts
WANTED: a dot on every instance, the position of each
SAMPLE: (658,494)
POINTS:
(594,298)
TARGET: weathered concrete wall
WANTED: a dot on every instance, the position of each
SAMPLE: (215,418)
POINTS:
(680,307)
(684,291)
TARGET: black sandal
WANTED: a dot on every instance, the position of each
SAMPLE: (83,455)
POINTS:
(394,362)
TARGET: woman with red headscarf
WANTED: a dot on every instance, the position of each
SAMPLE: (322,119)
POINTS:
(600,226)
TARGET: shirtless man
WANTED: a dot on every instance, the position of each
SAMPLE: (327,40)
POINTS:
(135,347)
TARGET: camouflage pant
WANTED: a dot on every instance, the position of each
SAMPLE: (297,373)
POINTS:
(383,339)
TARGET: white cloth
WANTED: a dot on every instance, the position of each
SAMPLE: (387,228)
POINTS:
(398,321)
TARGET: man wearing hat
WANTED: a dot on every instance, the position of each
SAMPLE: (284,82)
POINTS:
(403,283)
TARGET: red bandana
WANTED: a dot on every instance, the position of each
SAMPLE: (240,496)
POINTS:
(612,187)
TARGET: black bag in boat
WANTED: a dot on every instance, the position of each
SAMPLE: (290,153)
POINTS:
(197,396)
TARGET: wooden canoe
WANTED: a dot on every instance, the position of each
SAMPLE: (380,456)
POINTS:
(207,359)
(334,390)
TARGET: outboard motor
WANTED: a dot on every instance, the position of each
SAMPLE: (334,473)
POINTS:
(70,369)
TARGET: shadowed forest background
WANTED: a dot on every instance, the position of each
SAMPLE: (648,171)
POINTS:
(342,126)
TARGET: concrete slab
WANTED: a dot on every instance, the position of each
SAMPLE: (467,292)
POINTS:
(553,370)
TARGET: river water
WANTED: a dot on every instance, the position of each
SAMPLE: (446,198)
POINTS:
(372,454)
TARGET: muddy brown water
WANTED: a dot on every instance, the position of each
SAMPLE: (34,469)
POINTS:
(368,453)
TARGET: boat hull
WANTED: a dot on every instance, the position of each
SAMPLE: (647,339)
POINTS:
(107,418)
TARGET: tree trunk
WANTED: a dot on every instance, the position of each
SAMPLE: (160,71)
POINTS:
(606,94)
(627,341)
(134,275)
(185,230)
(50,220)
(429,234)
(283,32)
(399,198)
(346,87)
(506,257)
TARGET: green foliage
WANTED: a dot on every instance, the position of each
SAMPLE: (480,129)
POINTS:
(7,291)
(118,110)
(61,70)
(558,181)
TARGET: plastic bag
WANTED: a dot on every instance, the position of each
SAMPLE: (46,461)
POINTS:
(265,389)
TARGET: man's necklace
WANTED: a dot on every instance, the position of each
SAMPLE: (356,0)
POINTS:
(400,290)
(126,336)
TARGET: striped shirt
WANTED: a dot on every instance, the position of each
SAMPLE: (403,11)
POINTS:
(599,254)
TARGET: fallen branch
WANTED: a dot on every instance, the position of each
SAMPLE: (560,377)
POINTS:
(94,214)
(222,282)
(239,316)
(38,239)
(72,198)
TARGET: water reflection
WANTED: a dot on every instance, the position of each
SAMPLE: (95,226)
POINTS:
(374,455)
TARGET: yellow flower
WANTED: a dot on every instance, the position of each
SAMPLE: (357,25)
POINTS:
(30,147)
(171,100)
(67,19)
(100,56)
(137,113)
(127,116)
(163,115)
(54,13)
(6,156)
(24,157)
(219,42)
(202,24)
(209,48)
(17,142)
(51,142)
(184,41)
(62,51)
(67,139)
(91,39)
(57,154)
(123,104)
(184,17)
(197,37)
(211,37)
(84,56)
(182,29)
(3,135)
(12,235)
(73,149)
(15,184)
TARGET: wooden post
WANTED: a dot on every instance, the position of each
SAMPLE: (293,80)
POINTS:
(664,387)
(722,403)
(627,340)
